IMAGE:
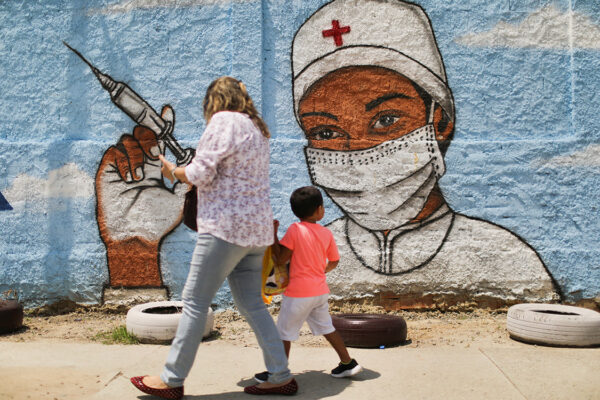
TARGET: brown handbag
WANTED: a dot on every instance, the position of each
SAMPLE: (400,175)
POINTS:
(190,208)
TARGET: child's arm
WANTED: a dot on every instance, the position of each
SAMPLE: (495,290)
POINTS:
(331,265)
(332,253)
(279,253)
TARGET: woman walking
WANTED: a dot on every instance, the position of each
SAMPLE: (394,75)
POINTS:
(235,225)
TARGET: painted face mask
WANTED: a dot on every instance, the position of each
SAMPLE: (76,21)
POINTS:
(383,187)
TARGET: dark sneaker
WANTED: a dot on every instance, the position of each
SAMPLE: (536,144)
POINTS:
(262,377)
(344,370)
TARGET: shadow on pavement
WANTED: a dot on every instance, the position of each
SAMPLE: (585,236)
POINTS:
(311,384)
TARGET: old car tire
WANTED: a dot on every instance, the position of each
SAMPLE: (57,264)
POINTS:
(11,316)
(156,322)
(554,324)
(370,330)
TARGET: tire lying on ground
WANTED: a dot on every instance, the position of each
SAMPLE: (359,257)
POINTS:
(370,330)
(554,324)
(11,316)
(156,322)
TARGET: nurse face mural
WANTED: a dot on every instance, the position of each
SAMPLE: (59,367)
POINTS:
(357,108)
(372,98)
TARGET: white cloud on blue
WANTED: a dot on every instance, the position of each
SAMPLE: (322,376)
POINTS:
(587,157)
(65,182)
(131,5)
(546,28)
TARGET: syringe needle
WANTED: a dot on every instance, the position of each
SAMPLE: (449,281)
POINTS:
(80,56)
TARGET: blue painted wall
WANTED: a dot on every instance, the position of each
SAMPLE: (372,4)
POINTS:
(524,153)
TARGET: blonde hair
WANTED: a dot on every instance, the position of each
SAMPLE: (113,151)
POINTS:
(229,94)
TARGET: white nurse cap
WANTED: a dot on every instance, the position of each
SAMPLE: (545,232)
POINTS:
(387,33)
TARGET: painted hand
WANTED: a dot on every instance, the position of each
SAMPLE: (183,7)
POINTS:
(135,209)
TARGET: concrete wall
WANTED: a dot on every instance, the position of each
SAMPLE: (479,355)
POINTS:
(509,214)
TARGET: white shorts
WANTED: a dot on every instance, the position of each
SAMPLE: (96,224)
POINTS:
(295,310)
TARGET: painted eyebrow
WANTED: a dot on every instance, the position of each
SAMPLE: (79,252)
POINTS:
(372,104)
(319,114)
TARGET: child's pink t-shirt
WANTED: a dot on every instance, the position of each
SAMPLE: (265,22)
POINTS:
(312,246)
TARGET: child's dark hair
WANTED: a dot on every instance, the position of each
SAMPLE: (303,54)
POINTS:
(305,201)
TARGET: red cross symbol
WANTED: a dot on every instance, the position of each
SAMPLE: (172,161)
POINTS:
(336,32)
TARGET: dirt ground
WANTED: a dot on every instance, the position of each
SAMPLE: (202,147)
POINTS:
(449,349)
(425,329)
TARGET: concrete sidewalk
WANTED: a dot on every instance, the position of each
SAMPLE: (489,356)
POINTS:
(62,370)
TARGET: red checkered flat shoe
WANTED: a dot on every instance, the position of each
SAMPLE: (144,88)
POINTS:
(288,389)
(175,393)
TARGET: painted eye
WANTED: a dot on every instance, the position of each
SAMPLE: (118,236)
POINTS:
(324,133)
(385,121)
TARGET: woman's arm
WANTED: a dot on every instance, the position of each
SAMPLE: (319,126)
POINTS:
(222,138)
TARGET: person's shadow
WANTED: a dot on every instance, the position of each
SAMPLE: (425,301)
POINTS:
(311,385)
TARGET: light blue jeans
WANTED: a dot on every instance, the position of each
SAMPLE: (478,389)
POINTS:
(213,261)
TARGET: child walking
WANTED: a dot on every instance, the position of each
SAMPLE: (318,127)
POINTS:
(312,253)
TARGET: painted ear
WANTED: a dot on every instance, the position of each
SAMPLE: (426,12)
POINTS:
(443,125)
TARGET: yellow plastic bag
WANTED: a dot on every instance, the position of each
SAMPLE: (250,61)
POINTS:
(275,278)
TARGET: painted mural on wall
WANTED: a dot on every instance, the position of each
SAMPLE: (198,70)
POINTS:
(135,208)
(371,95)
(4,205)
(473,176)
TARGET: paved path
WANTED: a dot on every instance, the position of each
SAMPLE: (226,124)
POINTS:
(63,371)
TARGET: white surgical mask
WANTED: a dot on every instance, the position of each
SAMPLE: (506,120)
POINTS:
(383,187)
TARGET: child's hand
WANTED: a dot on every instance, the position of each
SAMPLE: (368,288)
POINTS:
(331,265)
(275,228)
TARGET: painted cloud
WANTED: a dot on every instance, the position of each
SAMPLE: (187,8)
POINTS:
(65,182)
(546,28)
(130,5)
(587,157)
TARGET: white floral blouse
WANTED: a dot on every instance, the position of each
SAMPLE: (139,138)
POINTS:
(231,172)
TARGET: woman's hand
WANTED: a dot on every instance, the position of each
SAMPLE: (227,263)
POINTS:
(167,168)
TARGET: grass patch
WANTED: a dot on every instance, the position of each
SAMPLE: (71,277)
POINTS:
(214,335)
(119,335)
